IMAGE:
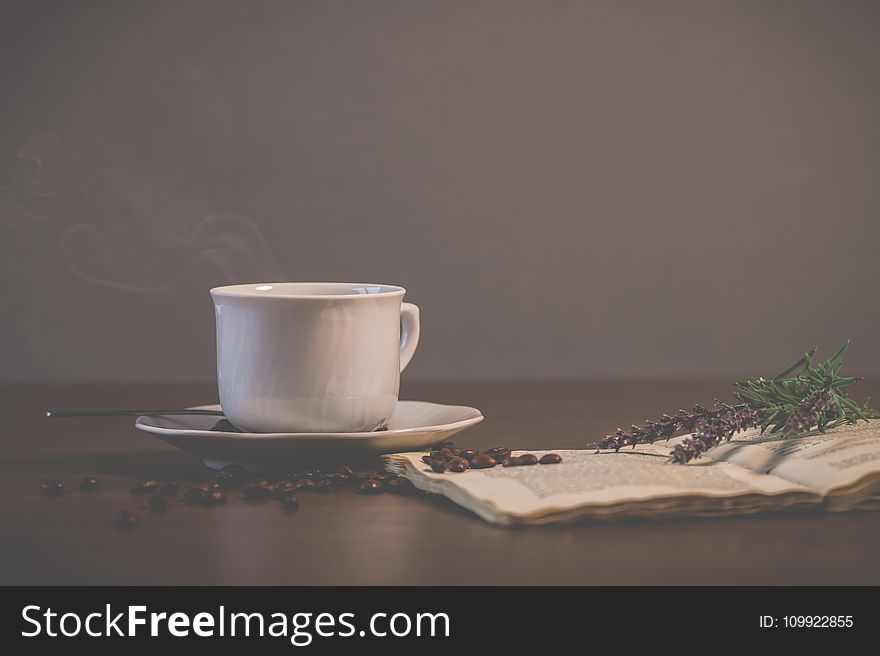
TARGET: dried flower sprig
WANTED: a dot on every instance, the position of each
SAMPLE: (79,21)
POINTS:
(801,398)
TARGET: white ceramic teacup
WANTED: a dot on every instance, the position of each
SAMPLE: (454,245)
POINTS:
(312,356)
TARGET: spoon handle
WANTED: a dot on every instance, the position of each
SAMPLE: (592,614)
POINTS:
(124,413)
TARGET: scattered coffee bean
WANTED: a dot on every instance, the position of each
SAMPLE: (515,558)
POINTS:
(339,479)
(550,459)
(427,459)
(143,487)
(400,485)
(88,484)
(499,453)
(214,498)
(457,464)
(303,475)
(52,488)
(256,490)
(125,520)
(483,461)
(372,486)
(444,457)
(519,461)
(157,502)
(283,487)
(194,494)
(306,484)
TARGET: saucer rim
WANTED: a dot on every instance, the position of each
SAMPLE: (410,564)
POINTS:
(140,424)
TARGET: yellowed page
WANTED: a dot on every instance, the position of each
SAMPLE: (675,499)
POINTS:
(587,483)
(840,459)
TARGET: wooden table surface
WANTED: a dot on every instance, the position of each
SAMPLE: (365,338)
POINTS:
(346,538)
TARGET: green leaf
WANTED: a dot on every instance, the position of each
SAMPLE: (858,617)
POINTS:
(797,365)
(838,355)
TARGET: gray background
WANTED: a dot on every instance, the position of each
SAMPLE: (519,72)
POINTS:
(567,189)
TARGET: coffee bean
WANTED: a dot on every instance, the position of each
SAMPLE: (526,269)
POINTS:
(438,465)
(232,476)
(457,464)
(125,520)
(483,461)
(550,459)
(290,502)
(306,484)
(519,461)
(304,475)
(323,485)
(400,485)
(144,487)
(256,490)
(157,502)
(88,484)
(214,498)
(428,459)
(339,479)
(194,494)
(348,471)
(469,454)
(52,488)
(499,453)
(371,486)
(283,487)
(169,489)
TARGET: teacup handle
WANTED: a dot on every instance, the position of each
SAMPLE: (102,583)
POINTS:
(409,332)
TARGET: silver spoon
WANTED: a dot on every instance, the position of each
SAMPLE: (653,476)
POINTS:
(125,413)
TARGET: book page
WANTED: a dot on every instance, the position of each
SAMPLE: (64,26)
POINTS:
(587,483)
(842,459)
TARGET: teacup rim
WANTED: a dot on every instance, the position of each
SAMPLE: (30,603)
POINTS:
(276,290)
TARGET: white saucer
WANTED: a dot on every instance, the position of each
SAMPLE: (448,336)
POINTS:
(414,425)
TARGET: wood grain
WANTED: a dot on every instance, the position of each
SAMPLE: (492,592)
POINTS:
(345,538)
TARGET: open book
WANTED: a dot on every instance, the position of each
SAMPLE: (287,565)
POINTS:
(838,470)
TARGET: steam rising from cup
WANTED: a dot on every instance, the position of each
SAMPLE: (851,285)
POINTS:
(114,227)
